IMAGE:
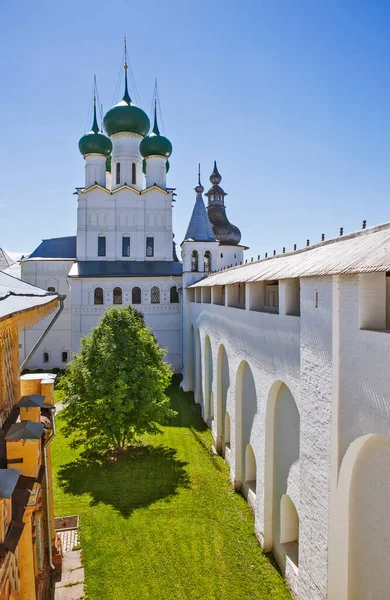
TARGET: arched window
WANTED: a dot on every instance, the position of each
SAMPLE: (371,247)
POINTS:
(133,174)
(46,357)
(174,295)
(64,357)
(98,296)
(194,261)
(155,295)
(207,261)
(51,289)
(150,246)
(136,295)
(102,245)
(117,295)
(125,245)
(118,173)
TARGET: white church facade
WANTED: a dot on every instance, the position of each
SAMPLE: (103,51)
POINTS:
(124,251)
(288,356)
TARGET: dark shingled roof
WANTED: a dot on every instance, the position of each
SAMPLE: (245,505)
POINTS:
(13,535)
(126,268)
(8,481)
(63,247)
(26,430)
(31,401)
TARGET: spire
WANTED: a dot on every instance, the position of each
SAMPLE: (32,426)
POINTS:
(126,97)
(199,188)
(199,228)
(215,177)
(156,130)
(95,126)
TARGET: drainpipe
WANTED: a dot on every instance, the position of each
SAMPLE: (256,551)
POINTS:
(46,444)
(44,334)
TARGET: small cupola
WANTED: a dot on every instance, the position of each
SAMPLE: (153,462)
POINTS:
(95,142)
(155,144)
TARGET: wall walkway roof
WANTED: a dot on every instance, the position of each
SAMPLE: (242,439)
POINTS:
(364,251)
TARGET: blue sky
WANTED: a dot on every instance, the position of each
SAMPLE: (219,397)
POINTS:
(291,98)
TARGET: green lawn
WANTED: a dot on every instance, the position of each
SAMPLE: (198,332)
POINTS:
(163,522)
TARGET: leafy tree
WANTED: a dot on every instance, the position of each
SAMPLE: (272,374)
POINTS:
(115,387)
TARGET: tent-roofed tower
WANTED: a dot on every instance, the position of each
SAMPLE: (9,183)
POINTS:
(199,247)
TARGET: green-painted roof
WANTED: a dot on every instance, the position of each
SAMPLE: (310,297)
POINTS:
(126,117)
(95,142)
(155,144)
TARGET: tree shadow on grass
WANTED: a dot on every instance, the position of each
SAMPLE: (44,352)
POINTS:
(139,477)
(188,413)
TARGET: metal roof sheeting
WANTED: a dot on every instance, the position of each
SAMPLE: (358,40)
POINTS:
(5,260)
(63,247)
(17,295)
(365,251)
(199,228)
(125,268)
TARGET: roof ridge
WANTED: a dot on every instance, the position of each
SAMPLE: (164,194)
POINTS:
(330,241)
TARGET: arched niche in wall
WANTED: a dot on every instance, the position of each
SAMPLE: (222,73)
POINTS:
(282,451)
(250,472)
(208,380)
(227,431)
(246,408)
(190,362)
(198,370)
(359,537)
(223,385)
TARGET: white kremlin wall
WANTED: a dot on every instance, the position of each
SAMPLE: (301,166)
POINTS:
(309,395)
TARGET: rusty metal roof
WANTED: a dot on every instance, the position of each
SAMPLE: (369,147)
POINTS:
(364,251)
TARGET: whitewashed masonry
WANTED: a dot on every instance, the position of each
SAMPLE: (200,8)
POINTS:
(289,360)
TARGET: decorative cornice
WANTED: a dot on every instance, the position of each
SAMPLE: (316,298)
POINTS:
(125,186)
(95,186)
(145,308)
(156,187)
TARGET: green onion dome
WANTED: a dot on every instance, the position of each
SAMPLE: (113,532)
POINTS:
(95,142)
(155,144)
(126,117)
